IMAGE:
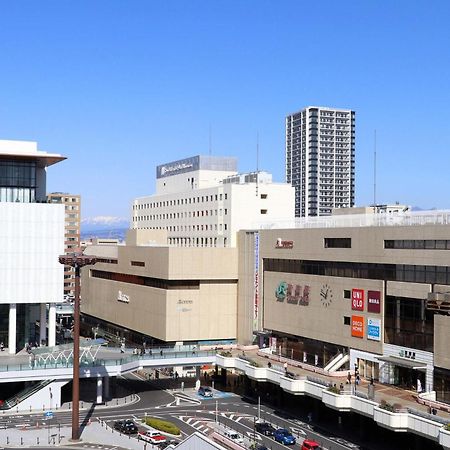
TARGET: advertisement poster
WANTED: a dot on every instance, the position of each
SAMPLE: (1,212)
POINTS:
(256,284)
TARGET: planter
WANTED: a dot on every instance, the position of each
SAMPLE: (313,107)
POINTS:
(392,420)
(444,438)
(340,402)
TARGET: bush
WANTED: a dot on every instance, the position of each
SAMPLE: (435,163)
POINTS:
(162,425)
(447,427)
(334,389)
(254,364)
(226,354)
(388,407)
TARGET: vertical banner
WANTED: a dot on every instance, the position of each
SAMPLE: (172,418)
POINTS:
(256,284)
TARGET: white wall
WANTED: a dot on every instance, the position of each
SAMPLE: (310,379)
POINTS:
(41,400)
(31,239)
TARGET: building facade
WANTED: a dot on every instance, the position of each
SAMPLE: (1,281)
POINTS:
(372,289)
(158,293)
(31,239)
(203,202)
(72,227)
(320,159)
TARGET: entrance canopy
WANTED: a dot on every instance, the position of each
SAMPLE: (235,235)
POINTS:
(403,362)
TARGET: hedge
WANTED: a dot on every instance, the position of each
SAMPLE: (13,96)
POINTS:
(162,425)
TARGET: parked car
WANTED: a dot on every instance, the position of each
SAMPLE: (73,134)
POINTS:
(205,391)
(265,428)
(309,444)
(126,426)
(154,437)
(284,436)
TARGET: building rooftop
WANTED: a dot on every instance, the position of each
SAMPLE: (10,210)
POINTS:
(27,150)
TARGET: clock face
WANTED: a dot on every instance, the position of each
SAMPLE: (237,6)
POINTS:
(326,295)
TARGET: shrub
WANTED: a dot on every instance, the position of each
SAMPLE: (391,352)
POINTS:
(254,363)
(162,425)
(226,354)
(334,389)
(388,407)
(447,427)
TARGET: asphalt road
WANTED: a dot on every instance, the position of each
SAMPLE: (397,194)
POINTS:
(188,411)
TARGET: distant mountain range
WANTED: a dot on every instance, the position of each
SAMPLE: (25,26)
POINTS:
(104,227)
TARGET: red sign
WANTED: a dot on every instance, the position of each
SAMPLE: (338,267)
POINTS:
(358,326)
(358,299)
(374,301)
(281,243)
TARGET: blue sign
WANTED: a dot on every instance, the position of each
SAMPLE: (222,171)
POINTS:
(374,329)
(48,415)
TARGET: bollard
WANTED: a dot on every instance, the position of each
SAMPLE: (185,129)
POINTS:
(117,401)
(125,399)
(37,440)
(30,408)
(82,405)
(7,440)
(17,409)
(21,441)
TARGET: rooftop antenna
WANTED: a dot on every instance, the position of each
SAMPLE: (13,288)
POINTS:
(374,171)
(210,140)
(257,161)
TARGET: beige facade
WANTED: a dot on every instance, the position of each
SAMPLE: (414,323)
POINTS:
(169,293)
(72,229)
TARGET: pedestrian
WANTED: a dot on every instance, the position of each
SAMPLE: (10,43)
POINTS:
(349,378)
(150,352)
(269,364)
(371,381)
(160,353)
(310,417)
(434,411)
(357,379)
(2,346)
(205,375)
(341,387)
(122,347)
(285,366)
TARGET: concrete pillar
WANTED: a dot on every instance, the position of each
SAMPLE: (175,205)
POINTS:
(52,325)
(197,372)
(12,328)
(106,388)
(99,390)
(43,324)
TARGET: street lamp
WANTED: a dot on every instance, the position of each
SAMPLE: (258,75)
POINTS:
(77,261)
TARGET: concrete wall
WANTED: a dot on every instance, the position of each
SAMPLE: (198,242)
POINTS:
(441,341)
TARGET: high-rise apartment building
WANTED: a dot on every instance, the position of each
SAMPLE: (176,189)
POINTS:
(72,208)
(320,159)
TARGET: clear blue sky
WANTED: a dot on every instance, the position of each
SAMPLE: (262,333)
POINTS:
(121,86)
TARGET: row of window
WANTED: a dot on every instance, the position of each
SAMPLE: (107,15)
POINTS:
(373,271)
(182,201)
(187,228)
(197,242)
(422,244)
(185,214)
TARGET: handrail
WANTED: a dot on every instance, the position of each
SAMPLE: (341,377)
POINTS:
(24,394)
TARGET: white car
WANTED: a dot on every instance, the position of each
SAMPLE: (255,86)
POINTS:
(154,437)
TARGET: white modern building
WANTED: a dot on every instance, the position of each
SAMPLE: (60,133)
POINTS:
(320,159)
(31,238)
(203,201)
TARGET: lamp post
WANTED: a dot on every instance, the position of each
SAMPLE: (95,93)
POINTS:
(77,261)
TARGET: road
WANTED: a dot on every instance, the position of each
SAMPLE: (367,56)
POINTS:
(189,412)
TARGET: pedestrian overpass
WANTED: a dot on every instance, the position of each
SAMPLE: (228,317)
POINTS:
(52,367)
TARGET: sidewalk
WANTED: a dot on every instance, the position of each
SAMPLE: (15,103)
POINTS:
(94,433)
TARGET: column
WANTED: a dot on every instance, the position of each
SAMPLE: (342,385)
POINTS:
(12,328)
(43,324)
(99,390)
(106,388)
(52,325)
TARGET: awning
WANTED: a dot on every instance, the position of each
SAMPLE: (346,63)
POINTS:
(403,362)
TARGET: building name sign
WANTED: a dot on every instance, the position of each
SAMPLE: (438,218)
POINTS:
(121,297)
(374,329)
(165,170)
(294,294)
(281,243)
(358,299)
(374,301)
(407,354)
(185,302)
(358,326)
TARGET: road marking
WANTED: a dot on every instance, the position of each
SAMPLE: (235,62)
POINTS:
(252,435)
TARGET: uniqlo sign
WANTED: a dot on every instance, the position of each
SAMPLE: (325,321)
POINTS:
(374,301)
(358,299)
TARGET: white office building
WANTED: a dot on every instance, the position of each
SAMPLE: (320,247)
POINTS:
(31,238)
(320,159)
(203,201)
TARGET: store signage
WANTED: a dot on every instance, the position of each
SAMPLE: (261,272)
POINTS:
(374,301)
(358,326)
(373,329)
(407,354)
(256,283)
(358,299)
(121,297)
(293,293)
(281,243)
(176,167)
(185,302)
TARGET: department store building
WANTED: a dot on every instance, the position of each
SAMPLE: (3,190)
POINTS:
(371,290)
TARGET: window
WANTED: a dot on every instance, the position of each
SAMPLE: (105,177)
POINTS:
(263,196)
(263,211)
(337,243)
(347,293)
(138,263)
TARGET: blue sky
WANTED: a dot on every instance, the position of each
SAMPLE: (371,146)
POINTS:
(121,86)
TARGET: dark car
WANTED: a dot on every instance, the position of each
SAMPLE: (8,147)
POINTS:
(265,428)
(284,436)
(126,426)
(205,391)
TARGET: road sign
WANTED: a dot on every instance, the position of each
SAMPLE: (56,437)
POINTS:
(48,415)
